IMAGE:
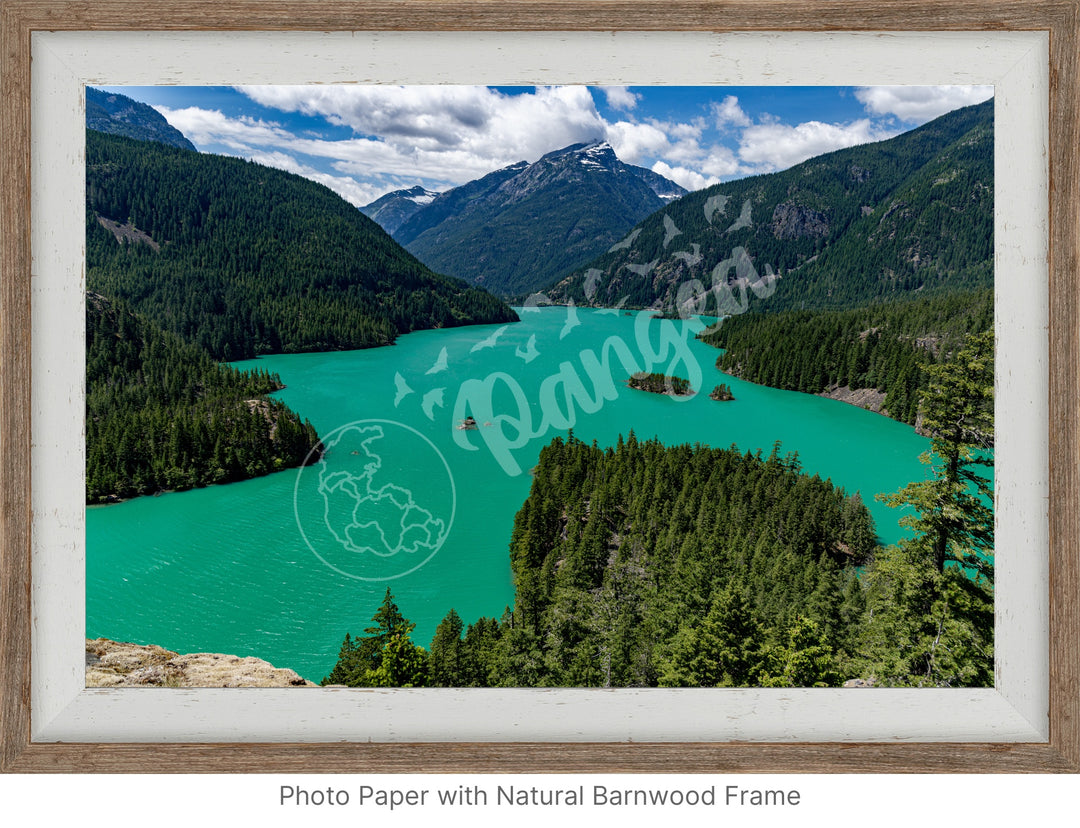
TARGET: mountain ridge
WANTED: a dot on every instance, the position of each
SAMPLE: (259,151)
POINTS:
(517,228)
(866,223)
(117,114)
(395,208)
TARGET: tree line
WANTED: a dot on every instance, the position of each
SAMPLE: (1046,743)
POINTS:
(888,347)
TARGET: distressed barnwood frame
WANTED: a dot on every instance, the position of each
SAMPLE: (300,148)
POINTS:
(1059,18)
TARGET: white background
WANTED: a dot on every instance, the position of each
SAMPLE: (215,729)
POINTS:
(832,800)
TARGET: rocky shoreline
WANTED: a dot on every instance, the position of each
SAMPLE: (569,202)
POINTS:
(122,664)
(869,398)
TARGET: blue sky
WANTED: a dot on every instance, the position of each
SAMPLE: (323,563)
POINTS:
(364,141)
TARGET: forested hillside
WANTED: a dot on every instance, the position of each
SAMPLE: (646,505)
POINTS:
(242,259)
(162,414)
(913,214)
(885,347)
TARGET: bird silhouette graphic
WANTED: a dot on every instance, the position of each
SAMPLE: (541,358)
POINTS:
(529,352)
(690,258)
(625,243)
(592,276)
(715,204)
(403,389)
(490,341)
(439,365)
(571,322)
(432,399)
(670,230)
(744,218)
(535,300)
(642,269)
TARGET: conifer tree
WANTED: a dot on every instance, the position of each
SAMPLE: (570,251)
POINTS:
(930,598)
(446,656)
(385,656)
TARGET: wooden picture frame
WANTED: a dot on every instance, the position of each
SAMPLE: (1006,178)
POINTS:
(20,752)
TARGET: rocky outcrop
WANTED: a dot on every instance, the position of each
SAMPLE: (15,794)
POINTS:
(871,682)
(869,398)
(121,664)
(793,221)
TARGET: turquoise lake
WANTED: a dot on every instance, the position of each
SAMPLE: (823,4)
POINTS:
(281,567)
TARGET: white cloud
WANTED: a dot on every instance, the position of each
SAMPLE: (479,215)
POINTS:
(354,192)
(209,126)
(634,142)
(919,104)
(619,97)
(776,146)
(483,124)
(690,179)
(729,113)
(720,161)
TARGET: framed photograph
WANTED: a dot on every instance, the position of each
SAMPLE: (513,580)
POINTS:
(1012,707)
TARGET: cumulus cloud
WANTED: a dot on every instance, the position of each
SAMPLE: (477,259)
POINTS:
(356,193)
(633,142)
(210,126)
(443,136)
(729,113)
(777,146)
(919,104)
(493,128)
(621,98)
(690,179)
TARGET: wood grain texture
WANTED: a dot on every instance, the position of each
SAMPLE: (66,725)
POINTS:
(1064,388)
(543,758)
(14,386)
(18,18)
(552,15)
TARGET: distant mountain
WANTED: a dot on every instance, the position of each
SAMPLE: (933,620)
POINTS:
(521,227)
(120,115)
(394,209)
(243,259)
(449,204)
(907,216)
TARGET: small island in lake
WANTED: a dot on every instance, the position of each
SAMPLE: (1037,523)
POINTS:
(721,393)
(660,384)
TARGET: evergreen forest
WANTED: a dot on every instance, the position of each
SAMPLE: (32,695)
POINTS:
(660,384)
(161,414)
(243,260)
(886,347)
